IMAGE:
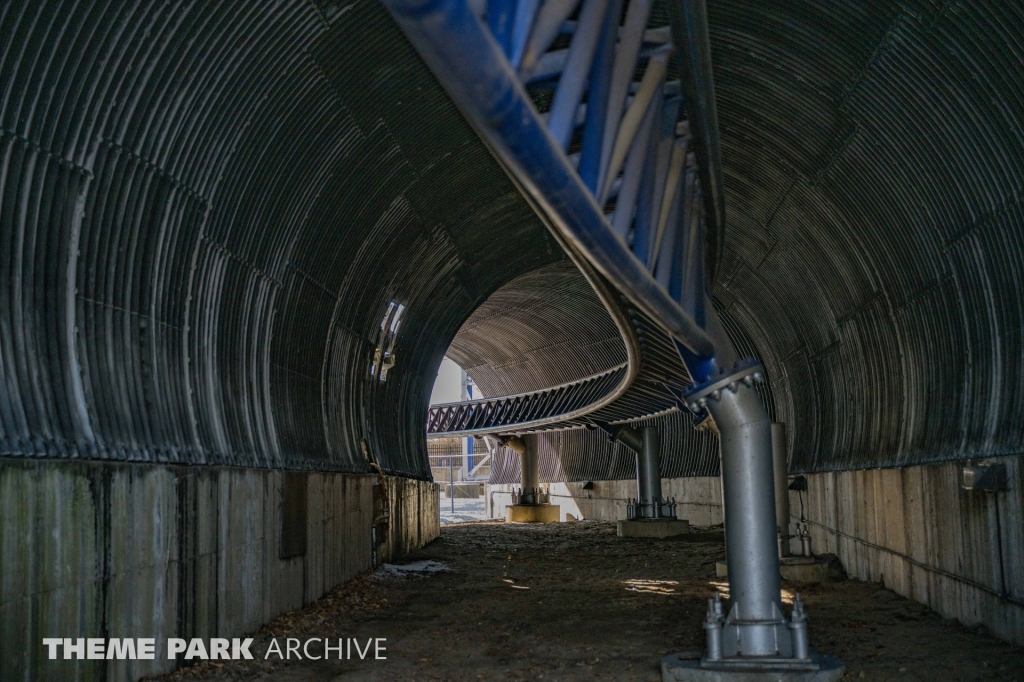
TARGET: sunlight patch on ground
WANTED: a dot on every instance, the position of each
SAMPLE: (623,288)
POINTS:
(651,586)
(722,586)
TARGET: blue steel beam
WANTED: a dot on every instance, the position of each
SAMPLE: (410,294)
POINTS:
(597,99)
(474,70)
(561,120)
(690,30)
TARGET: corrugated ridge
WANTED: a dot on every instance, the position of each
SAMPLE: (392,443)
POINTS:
(205,211)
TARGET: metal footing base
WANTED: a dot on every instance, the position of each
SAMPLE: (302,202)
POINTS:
(689,668)
(653,528)
(802,570)
(531,513)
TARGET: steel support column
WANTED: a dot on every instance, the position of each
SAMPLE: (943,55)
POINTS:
(646,443)
(648,470)
(529,458)
(755,625)
(781,477)
(531,467)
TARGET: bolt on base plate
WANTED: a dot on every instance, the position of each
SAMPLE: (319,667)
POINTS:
(687,667)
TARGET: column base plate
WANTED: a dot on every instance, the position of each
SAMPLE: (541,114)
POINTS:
(687,668)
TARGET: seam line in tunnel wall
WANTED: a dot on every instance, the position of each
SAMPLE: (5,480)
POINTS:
(919,564)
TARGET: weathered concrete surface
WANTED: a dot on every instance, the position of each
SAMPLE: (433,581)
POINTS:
(652,528)
(919,533)
(532,513)
(803,570)
(678,669)
(415,517)
(96,549)
(698,499)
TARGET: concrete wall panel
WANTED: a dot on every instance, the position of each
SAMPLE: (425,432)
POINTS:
(915,530)
(102,549)
(415,518)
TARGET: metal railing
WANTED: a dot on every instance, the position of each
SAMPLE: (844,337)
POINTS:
(525,410)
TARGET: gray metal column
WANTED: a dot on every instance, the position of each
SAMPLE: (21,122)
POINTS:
(530,457)
(781,475)
(753,559)
(646,443)
(755,625)
(648,462)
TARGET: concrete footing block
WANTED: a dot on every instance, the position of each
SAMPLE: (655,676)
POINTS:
(683,668)
(653,528)
(803,570)
(531,513)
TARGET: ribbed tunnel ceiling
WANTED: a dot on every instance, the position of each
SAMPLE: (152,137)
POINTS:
(544,328)
(874,162)
(206,209)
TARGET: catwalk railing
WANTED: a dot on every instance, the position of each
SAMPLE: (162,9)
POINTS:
(526,410)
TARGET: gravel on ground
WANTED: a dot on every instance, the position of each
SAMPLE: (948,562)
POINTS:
(571,601)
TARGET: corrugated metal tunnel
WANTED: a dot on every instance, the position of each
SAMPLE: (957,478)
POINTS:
(237,240)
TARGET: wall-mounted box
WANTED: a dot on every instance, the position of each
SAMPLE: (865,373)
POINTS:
(984,477)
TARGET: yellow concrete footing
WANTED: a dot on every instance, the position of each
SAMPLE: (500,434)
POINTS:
(531,513)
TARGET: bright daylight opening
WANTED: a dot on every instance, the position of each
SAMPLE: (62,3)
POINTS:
(462,465)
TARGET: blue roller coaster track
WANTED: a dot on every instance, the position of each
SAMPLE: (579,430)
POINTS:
(605,117)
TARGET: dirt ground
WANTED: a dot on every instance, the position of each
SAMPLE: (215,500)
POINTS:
(571,601)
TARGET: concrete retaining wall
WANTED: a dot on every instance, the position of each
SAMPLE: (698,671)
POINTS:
(94,549)
(415,517)
(917,531)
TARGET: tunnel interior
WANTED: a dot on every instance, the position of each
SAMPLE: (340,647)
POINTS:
(237,240)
